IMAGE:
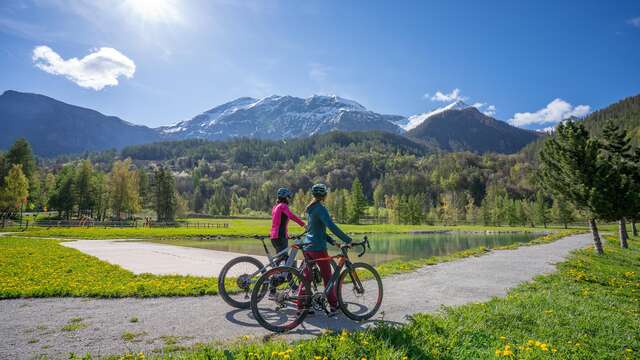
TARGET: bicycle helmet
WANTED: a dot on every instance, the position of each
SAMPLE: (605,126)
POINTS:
(319,190)
(284,193)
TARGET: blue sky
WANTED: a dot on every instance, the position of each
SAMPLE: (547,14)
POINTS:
(156,62)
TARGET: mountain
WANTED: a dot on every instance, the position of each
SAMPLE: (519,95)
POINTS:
(415,120)
(54,127)
(469,129)
(281,117)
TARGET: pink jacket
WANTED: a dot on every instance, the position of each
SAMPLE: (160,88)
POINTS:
(277,217)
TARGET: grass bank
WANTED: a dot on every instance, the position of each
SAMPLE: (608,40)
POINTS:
(589,309)
(44,268)
(250,227)
(31,267)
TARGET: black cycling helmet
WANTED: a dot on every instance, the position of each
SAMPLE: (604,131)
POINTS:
(319,190)
(284,193)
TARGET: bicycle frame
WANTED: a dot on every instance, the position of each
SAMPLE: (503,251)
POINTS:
(343,261)
(292,251)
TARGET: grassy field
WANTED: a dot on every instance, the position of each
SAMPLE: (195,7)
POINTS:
(44,268)
(246,227)
(589,309)
(31,267)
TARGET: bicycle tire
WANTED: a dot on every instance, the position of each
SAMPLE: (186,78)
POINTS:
(223,275)
(344,306)
(258,293)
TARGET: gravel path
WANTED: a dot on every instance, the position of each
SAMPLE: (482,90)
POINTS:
(143,257)
(31,327)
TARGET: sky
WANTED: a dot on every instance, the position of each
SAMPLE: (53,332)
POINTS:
(157,62)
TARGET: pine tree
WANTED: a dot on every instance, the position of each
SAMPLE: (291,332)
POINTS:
(541,212)
(84,187)
(618,193)
(357,202)
(569,167)
(562,212)
(21,153)
(63,197)
(165,195)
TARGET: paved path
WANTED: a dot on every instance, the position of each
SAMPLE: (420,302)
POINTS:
(29,327)
(159,259)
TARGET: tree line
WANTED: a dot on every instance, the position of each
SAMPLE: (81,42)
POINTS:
(78,190)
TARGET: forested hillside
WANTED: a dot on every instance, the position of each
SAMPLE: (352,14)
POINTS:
(626,113)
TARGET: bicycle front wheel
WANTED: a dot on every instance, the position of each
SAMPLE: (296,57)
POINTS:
(236,280)
(275,302)
(359,291)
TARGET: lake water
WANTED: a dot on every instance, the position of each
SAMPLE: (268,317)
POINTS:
(384,247)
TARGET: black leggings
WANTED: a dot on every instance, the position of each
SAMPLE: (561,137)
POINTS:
(281,244)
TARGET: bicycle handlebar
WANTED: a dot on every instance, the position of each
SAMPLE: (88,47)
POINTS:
(364,243)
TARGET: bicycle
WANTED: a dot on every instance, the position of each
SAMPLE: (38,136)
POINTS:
(248,269)
(283,309)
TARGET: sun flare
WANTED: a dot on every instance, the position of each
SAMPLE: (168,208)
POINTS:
(155,10)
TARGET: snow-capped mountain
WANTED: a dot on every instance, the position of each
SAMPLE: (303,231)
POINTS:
(415,120)
(280,117)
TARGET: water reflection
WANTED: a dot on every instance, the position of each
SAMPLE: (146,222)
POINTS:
(384,247)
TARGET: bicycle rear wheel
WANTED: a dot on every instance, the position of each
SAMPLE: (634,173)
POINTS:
(275,302)
(238,273)
(359,291)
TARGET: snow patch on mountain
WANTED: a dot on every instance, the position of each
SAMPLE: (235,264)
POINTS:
(415,120)
(279,117)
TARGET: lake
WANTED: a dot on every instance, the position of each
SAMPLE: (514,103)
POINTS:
(384,247)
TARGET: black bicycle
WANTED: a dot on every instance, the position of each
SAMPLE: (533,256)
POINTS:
(242,272)
(281,306)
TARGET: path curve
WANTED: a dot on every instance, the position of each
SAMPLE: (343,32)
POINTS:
(31,327)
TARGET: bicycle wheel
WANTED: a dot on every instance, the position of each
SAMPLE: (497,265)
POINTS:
(359,292)
(275,301)
(238,273)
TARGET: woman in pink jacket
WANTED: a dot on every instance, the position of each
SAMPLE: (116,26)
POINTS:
(280,215)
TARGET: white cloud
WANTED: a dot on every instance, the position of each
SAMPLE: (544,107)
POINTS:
(490,110)
(454,95)
(100,68)
(318,72)
(553,113)
(634,22)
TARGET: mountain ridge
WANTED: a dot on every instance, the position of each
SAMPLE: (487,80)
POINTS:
(55,127)
(470,130)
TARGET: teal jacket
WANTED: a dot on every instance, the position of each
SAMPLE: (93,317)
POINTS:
(318,222)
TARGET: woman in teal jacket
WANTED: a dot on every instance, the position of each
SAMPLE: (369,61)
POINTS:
(315,243)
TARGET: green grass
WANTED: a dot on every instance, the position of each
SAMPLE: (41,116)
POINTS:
(74,324)
(589,309)
(132,336)
(246,227)
(43,268)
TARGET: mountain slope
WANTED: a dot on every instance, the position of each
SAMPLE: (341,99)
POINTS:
(281,117)
(625,113)
(54,127)
(415,120)
(469,129)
